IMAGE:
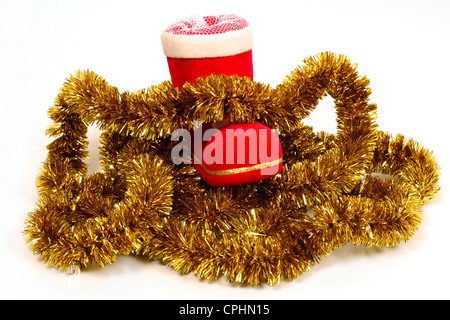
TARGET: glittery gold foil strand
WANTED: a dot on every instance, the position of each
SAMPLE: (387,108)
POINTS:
(143,204)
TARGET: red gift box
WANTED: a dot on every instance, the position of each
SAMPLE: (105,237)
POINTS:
(240,153)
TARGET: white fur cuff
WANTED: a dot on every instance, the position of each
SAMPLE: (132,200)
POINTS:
(205,46)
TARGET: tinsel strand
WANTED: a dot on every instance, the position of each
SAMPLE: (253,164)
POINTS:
(142,203)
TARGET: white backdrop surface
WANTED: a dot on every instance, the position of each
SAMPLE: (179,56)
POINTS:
(402,46)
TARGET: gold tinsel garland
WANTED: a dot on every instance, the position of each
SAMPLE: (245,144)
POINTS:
(143,204)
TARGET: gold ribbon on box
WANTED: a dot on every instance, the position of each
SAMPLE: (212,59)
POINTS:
(226,172)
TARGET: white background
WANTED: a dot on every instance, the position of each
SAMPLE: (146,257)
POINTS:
(402,46)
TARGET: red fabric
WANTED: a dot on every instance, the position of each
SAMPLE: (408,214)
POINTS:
(241,147)
(208,25)
(188,70)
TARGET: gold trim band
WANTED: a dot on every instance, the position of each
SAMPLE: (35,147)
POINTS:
(241,169)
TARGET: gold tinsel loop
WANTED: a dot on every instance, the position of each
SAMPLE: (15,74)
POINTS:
(361,185)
